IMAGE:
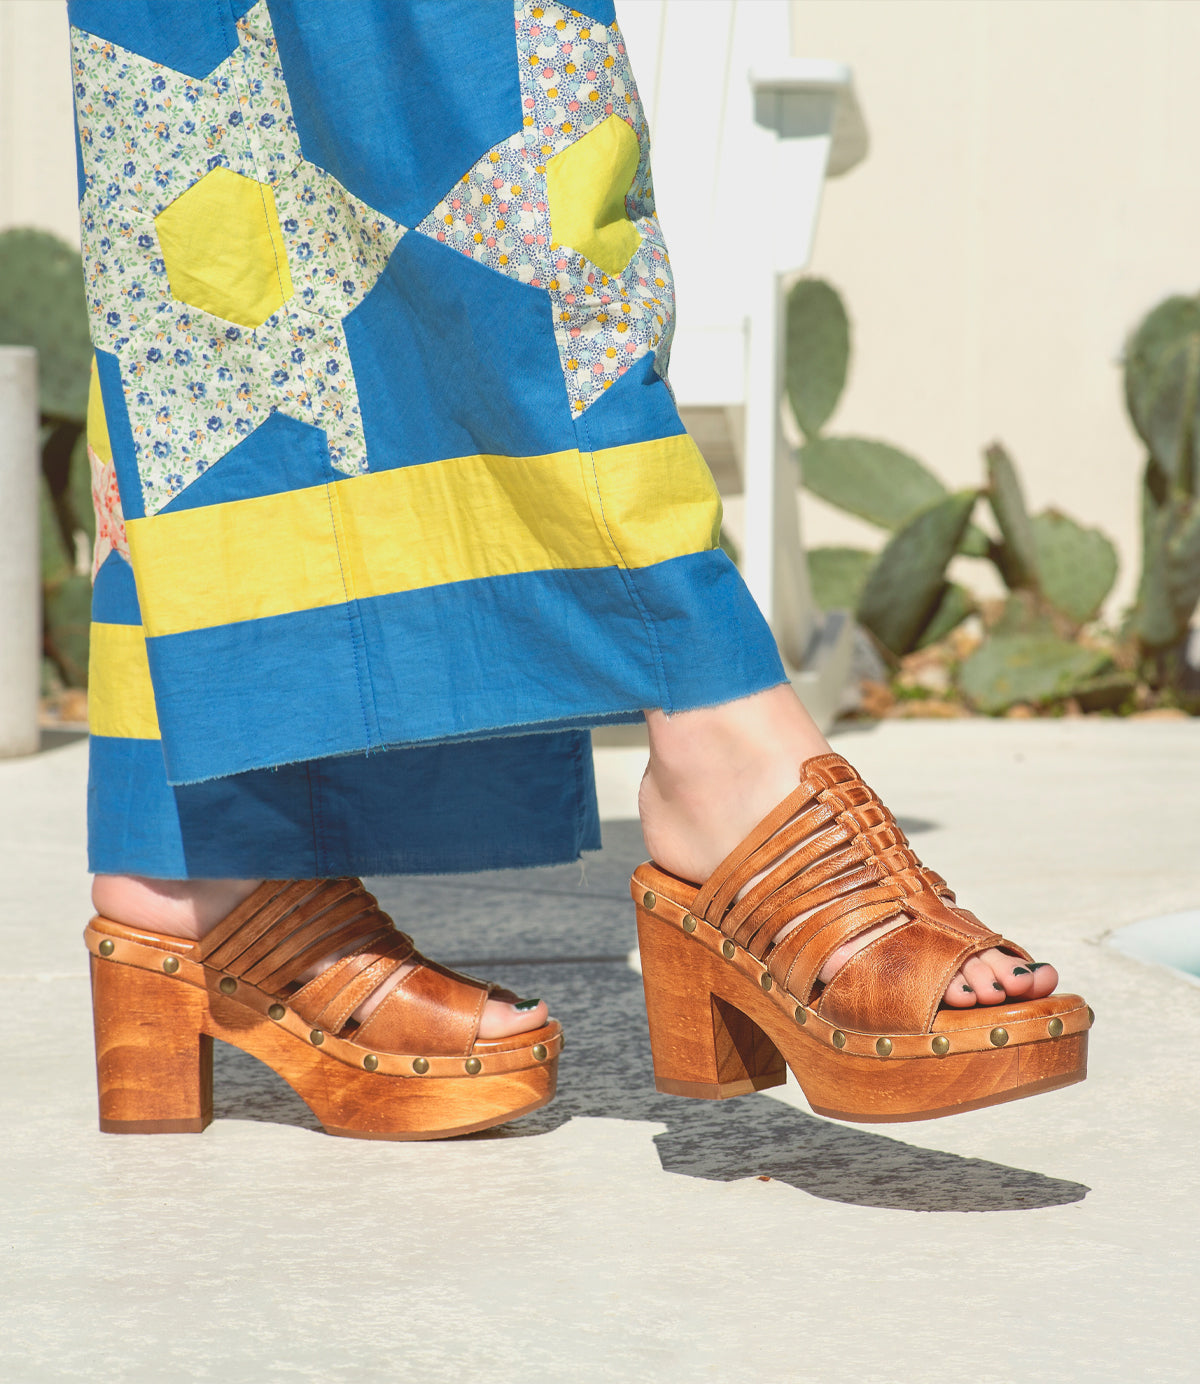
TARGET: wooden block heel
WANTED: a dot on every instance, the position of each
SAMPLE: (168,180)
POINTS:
(728,1005)
(153,1059)
(415,1068)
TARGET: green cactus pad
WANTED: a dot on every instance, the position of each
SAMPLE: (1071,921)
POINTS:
(1162,389)
(905,584)
(1170,584)
(1036,668)
(818,352)
(953,607)
(838,576)
(1019,564)
(42,305)
(878,483)
(1076,566)
(68,607)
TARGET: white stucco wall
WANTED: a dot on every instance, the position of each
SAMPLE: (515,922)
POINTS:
(37,152)
(1033,188)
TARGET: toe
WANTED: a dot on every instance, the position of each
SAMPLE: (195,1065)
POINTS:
(982,979)
(1011,972)
(959,995)
(501,1019)
(1045,978)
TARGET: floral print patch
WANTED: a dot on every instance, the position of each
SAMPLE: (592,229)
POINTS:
(574,74)
(196,385)
(106,502)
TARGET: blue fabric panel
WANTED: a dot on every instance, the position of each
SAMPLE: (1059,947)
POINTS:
(452,359)
(114,595)
(192,40)
(261,692)
(467,660)
(397,101)
(280,454)
(710,633)
(80,176)
(636,408)
(120,435)
(529,800)
(133,827)
(602,11)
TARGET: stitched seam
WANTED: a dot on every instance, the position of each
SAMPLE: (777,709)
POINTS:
(587,453)
(362,671)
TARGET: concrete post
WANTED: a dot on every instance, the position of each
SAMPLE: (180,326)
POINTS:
(20,569)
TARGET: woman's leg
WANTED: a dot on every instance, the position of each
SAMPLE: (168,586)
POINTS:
(191,908)
(716,772)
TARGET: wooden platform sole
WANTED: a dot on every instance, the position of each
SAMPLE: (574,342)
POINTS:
(720,1027)
(154,1067)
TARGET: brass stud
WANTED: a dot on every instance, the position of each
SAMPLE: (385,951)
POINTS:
(473,1066)
(371,1062)
(316,1037)
(107,947)
(170,964)
(649,899)
(998,1037)
(839,1038)
(883,1046)
(801,1015)
(1091,1016)
(765,980)
(420,1065)
(539,1052)
(1055,1028)
(276,1012)
(689,923)
(940,1045)
(228,985)
(728,950)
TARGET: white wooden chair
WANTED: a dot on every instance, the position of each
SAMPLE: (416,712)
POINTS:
(743,137)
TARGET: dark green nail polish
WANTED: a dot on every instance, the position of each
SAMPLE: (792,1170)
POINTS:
(967,990)
(1020,971)
(1037,965)
(997,986)
(527,1004)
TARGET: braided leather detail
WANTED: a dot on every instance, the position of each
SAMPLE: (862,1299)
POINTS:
(832,855)
(285,929)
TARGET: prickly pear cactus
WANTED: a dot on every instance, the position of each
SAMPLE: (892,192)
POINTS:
(838,575)
(818,352)
(953,606)
(1170,585)
(42,305)
(879,483)
(1034,668)
(1162,389)
(1017,558)
(1076,566)
(906,583)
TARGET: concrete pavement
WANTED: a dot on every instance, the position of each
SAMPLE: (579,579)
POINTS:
(619,1234)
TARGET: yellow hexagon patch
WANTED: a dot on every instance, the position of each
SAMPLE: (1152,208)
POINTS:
(223,248)
(586,186)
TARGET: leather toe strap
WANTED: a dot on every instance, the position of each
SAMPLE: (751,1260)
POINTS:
(430,1010)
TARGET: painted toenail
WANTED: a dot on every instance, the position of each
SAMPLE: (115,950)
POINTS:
(527,1004)
(997,986)
(1037,965)
(967,990)
(1019,971)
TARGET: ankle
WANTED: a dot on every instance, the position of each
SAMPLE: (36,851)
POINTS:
(179,908)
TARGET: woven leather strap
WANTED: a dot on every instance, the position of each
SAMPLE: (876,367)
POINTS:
(833,855)
(288,928)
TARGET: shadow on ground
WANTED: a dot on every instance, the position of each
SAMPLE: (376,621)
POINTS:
(564,934)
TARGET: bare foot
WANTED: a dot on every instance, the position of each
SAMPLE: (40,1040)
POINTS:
(191,908)
(715,773)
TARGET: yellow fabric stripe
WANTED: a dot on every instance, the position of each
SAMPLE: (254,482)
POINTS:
(120,697)
(97,425)
(419,526)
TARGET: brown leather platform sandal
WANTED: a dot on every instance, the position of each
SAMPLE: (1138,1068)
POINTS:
(727,1008)
(414,1069)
